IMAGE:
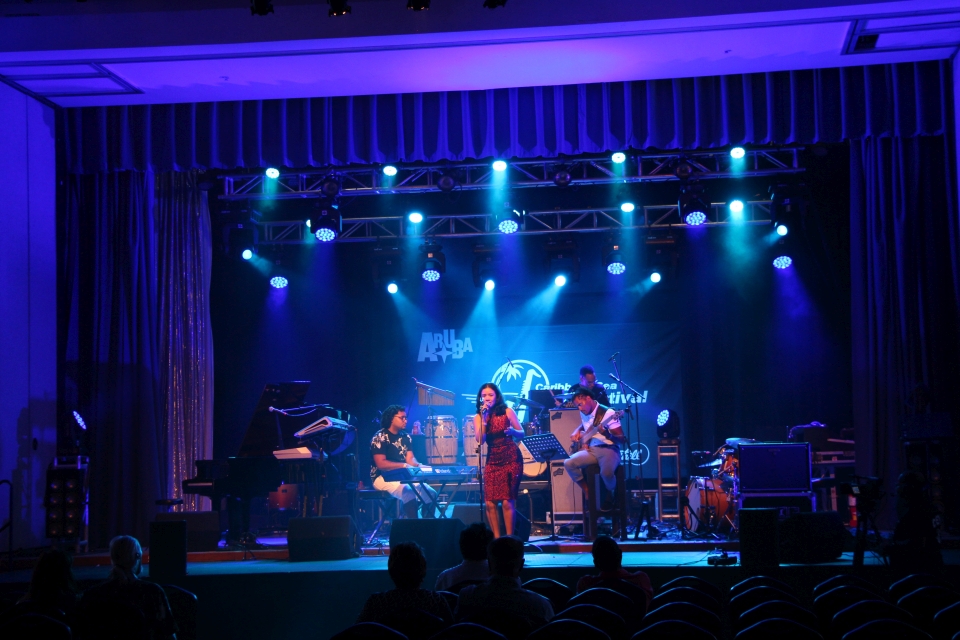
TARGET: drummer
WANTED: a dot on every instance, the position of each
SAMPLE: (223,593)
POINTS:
(588,380)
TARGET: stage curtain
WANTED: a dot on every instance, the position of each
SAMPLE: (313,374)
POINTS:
(788,107)
(135,338)
(186,336)
(905,302)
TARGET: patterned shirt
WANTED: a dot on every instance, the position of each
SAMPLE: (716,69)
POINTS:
(395,447)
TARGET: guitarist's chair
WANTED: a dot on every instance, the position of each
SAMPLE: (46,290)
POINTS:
(591,507)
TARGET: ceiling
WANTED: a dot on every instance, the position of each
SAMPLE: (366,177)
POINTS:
(117,52)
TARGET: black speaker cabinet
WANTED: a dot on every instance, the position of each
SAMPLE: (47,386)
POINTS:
(759,542)
(774,466)
(808,538)
(323,538)
(203,528)
(168,551)
(470,513)
(440,539)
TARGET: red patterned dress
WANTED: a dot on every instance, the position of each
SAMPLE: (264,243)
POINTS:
(504,467)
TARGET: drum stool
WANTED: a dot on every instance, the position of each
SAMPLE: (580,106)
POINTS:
(384,502)
(591,507)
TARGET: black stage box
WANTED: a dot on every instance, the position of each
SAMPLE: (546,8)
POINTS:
(759,542)
(439,537)
(323,538)
(203,528)
(168,551)
(774,466)
(810,538)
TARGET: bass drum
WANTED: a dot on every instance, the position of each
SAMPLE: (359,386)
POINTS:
(443,440)
(531,468)
(709,503)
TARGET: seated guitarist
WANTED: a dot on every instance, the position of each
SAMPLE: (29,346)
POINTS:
(598,441)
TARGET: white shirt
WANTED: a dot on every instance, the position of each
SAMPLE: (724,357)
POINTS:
(586,422)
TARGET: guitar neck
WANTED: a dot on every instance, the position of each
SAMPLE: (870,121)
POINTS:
(592,431)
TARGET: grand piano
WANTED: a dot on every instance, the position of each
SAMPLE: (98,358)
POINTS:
(272,455)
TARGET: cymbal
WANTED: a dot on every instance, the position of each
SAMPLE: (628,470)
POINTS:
(529,403)
(733,442)
(715,463)
(563,396)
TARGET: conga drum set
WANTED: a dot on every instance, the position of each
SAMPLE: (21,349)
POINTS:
(710,505)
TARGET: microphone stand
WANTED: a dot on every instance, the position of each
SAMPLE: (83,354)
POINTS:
(483,439)
(644,503)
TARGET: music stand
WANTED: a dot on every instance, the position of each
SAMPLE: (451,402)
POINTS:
(544,448)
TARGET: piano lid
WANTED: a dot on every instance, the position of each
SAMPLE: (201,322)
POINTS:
(269,431)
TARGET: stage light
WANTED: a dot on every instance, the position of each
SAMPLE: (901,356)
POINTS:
(247,254)
(434,263)
(79,421)
(486,265)
(418,5)
(613,260)
(338,8)
(493,4)
(562,177)
(619,157)
(330,187)
(499,165)
(662,417)
(509,220)
(415,217)
(782,262)
(788,202)
(737,153)
(696,218)
(508,226)
(668,425)
(239,238)
(560,281)
(627,207)
(736,206)
(563,258)
(782,230)
(655,277)
(261,7)
(489,285)
(392,287)
(279,282)
(326,225)
(308,223)
(693,209)
(272,173)
(389,170)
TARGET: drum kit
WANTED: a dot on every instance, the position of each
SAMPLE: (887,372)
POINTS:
(711,501)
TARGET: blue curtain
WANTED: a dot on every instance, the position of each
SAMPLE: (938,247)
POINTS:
(905,281)
(821,105)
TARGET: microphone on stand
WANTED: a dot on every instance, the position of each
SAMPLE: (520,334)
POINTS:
(280,411)
(613,357)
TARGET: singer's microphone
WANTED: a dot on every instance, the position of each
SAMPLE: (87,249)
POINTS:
(280,411)
(613,357)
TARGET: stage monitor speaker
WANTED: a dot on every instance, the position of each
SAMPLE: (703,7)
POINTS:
(774,466)
(759,544)
(323,538)
(203,528)
(439,537)
(563,422)
(168,551)
(810,538)
(567,496)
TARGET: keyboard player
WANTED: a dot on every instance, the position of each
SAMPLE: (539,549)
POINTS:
(392,448)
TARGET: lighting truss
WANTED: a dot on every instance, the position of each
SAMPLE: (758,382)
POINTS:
(464,225)
(370,181)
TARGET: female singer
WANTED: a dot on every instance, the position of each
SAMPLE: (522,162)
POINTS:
(497,424)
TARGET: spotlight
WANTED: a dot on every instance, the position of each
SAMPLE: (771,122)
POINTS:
(261,7)
(418,5)
(693,209)
(447,181)
(392,287)
(562,177)
(247,254)
(330,187)
(486,263)
(563,257)
(787,206)
(736,206)
(499,165)
(386,262)
(389,170)
(434,262)
(613,260)
(782,230)
(668,425)
(278,282)
(493,4)
(338,8)
(660,257)
(415,217)
(489,285)
(696,218)
(272,173)
(308,223)
(240,238)
(509,220)
(782,262)
(627,207)
(683,171)
(560,280)
(737,153)
(326,225)
(655,277)
(619,157)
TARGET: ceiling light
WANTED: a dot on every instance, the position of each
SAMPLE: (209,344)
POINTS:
(338,8)
(619,157)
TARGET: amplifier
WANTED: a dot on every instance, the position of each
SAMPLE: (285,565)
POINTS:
(786,503)
(567,496)
(774,466)
(563,422)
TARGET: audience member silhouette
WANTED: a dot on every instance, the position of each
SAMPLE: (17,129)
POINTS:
(916,539)
(502,591)
(608,558)
(474,541)
(53,591)
(407,567)
(125,588)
